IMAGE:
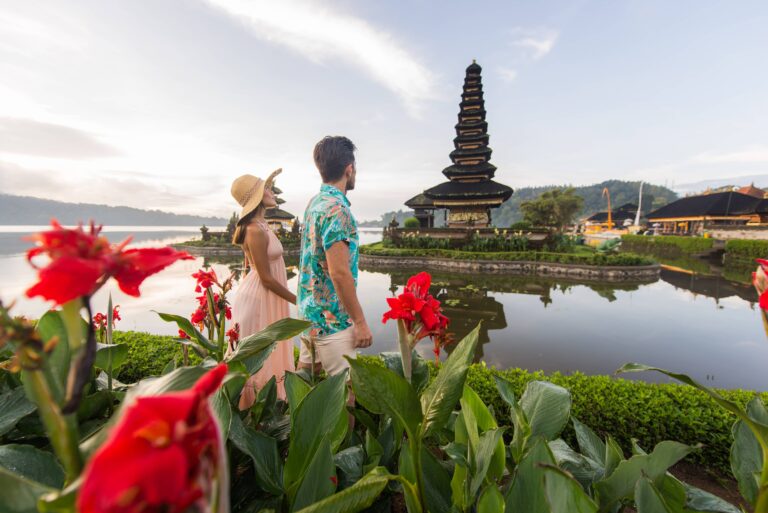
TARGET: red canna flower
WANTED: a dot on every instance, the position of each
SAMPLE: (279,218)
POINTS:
(419,284)
(81,262)
(183,334)
(163,455)
(233,335)
(335,480)
(205,279)
(100,319)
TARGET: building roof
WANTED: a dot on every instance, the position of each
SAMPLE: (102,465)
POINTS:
(626,211)
(277,213)
(715,204)
(485,189)
(420,201)
(751,190)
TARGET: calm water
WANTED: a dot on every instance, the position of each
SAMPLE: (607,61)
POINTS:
(706,326)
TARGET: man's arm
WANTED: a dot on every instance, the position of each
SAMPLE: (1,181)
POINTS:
(337,257)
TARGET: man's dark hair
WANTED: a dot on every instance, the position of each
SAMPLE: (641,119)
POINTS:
(332,155)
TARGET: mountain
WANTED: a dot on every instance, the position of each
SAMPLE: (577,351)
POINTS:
(654,196)
(26,210)
(760,181)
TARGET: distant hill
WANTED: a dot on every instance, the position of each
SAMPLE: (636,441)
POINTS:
(401,216)
(654,196)
(25,210)
(684,189)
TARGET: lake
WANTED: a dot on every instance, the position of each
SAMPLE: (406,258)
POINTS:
(692,322)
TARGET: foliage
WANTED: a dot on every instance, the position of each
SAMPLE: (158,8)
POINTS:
(521,226)
(671,245)
(232,224)
(148,354)
(554,209)
(411,222)
(499,242)
(745,250)
(621,259)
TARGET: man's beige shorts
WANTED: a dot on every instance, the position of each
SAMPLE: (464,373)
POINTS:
(330,350)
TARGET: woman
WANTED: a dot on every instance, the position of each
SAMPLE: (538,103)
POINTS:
(262,297)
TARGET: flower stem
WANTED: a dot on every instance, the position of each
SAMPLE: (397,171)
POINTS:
(406,349)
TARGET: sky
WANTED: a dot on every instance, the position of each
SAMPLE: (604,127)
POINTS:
(162,103)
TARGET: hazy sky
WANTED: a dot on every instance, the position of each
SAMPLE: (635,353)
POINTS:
(162,103)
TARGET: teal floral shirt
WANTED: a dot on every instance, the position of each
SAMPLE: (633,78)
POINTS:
(327,220)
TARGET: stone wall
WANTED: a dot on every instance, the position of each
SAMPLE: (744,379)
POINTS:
(583,272)
(739,232)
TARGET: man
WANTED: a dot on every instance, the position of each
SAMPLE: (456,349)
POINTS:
(328,266)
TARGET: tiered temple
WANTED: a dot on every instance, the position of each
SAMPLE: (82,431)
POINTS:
(470,192)
(276,217)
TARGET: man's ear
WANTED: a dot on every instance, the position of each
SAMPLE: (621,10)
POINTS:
(349,170)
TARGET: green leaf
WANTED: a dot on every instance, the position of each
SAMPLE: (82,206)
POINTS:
(356,498)
(589,443)
(621,483)
(491,500)
(14,406)
(179,379)
(52,325)
(186,325)
(526,492)
(382,391)
(613,456)
(441,396)
(519,421)
(317,482)
(505,390)
(94,405)
(118,352)
(33,464)
(350,462)
(746,453)
(295,389)
(547,408)
(437,482)
(314,421)
(585,470)
(251,345)
(19,494)
(61,501)
(648,499)
(419,369)
(759,429)
(482,455)
(485,421)
(699,500)
(222,409)
(563,493)
(263,451)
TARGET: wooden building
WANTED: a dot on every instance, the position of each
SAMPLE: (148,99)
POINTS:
(694,214)
(470,192)
(599,221)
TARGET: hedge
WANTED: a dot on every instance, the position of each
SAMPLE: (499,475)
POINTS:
(625,409)
(746,250)
(597,259)
(667,244)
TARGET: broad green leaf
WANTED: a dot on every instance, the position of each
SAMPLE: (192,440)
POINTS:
(485,421)
(419,369)
(283,329)
(437,482)
(265,400)
(584,469)
(621,483)
(263,451)
(186,325)
(589,443)
(382,391)
(14,406)
(94,405)
(52,325)
(483,454)
(613,455)
(313,424)
(295,389)
(179,379)
(118,353)
(19,494)
(759,429)
(33,464)
(317,483)
(350,462)
(223,411)
(648,499)
(356,498)
(441,396)
(699,500)
(526,492)
(746,453)
(563,494)
(547,408)
(373,452)
(505,390)
(491,500)
(672,491)
(61,501)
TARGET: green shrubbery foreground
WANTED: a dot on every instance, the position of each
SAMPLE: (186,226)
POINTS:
(623,408)
(596,259)
(746,250)
(667,244)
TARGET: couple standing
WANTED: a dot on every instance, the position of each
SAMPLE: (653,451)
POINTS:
(327,270)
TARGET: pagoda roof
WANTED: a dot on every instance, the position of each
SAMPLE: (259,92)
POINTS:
(481,124)
(478,112)
(278,213)
(751,190)
(456,170)
(715,204)
(420,201)
(482,151)
(474,68)
(279,201)
(464,138)
(275,190)
(484,189)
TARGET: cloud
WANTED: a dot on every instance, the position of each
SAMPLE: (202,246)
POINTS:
(536,43)
(320,34)
(29,137)
(752,155)
(507,74)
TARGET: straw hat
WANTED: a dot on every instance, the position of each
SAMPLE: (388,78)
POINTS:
(248,191)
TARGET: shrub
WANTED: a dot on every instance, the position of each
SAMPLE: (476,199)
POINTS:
(412,222)
(147,354)
(669,244)
(523,226)
(746,250)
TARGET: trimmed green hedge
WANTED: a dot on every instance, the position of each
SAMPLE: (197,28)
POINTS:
(623,408)
(746,250)
(596,259)
(667,244)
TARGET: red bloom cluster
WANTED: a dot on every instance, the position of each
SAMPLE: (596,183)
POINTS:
(80,262)
(162,455)
(100,319)
(760,281)
(183,334)
(205,279)
(233,335)
(200,314)
(420,312)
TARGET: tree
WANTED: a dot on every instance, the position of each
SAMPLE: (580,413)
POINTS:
(232,224)
(554,209)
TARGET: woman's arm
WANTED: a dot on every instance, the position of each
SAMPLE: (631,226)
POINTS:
(256,241)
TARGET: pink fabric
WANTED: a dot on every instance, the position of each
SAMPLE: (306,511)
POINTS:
(255,307)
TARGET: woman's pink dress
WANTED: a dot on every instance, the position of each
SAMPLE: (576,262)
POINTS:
(255,308)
